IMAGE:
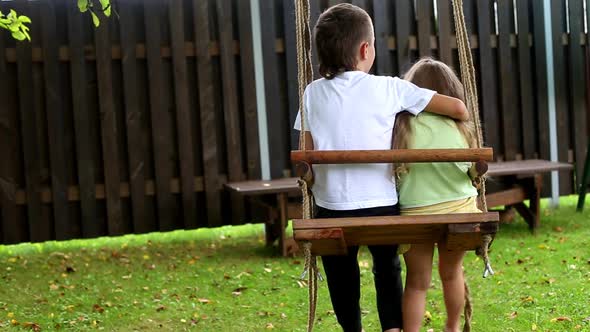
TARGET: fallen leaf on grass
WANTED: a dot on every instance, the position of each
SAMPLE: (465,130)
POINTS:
(269,326)
(204,301)
(299,262)
(587,319)
(550,281)
(283,316)
(527,299)
(558,229)
(33,326)
(513,315)
(266,269)
(301,283)
(97,308)
(560,319)
(160,308)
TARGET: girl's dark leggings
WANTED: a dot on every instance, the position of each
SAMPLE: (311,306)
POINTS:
(343,276)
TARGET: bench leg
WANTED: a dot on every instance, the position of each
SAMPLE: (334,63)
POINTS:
(585,181)
(283,218)
(531,214)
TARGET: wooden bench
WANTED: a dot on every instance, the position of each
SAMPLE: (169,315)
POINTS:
(515,182)
(273,197)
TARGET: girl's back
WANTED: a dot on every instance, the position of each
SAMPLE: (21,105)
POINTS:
(425,184)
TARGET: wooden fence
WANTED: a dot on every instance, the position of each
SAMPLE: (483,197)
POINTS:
(135,126)
(508,45)
(131,127)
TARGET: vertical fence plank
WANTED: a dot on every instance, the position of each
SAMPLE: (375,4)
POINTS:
(230,98)
(84,132)
(38,230)
(315,9)
(577,75)
(292,69)
(487,75)
(404,18)
(383,26)
(56,121)
(161,131)
(142,222)
(561,90)
(277,121)
(248,85)
(231,118)
(526,80)
(510,120)
(207,112)
(13,227)
(445,28)
(540,80)
(424,13)
(183,116)
(108,126)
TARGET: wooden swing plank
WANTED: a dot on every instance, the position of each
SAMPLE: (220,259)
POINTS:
(327,235)
(433,219)
(388,156)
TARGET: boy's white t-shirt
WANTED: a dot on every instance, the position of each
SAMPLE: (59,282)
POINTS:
(356,111)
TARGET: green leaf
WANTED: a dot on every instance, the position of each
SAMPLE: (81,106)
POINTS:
(14,26)
(95,19)
(18,35)
(105,4)
(83,5)
(107,12)
(27,35)
(24,19)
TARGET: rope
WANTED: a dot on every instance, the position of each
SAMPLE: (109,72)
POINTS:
(472,103)
(468,310)
(304,77)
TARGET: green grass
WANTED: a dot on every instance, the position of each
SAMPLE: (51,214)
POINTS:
(226,280)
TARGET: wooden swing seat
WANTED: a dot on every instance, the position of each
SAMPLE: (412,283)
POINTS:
(461,231)
(332,236)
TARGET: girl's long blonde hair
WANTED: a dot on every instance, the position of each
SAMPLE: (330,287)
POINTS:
(434,75)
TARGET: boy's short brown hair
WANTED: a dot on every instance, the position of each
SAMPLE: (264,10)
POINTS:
(339,30)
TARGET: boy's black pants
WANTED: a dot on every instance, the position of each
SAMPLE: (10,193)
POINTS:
(343,276)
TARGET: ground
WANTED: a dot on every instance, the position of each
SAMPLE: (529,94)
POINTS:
(225,279)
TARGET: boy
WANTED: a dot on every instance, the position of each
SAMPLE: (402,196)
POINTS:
(349,109)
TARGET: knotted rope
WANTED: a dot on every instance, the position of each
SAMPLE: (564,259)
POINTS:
(471,101)
(305,76)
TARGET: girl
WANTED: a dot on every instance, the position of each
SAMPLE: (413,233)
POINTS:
(434,188)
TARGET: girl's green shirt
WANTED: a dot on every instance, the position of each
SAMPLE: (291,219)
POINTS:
(431,183)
